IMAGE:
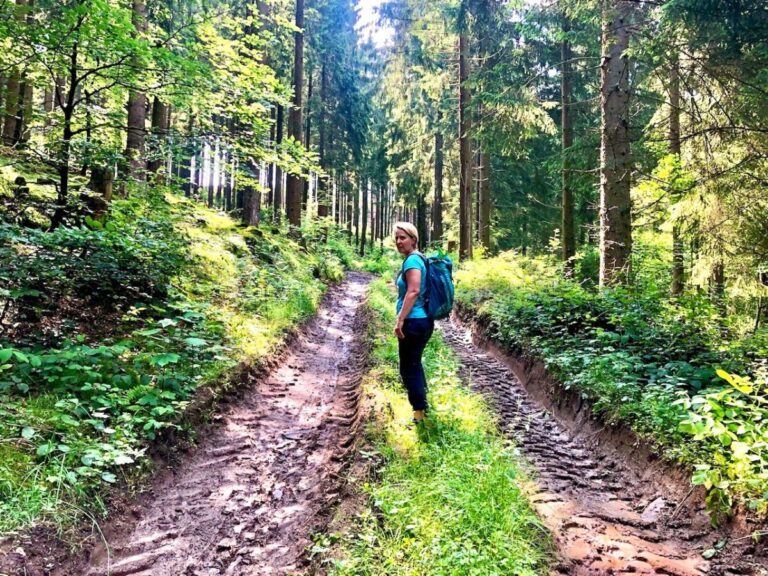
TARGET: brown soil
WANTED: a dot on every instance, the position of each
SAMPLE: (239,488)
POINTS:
(249,497)
(612,506)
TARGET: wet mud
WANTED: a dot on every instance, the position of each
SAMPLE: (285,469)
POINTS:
(247,499)
(608,516)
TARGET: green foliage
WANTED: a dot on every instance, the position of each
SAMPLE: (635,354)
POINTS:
(640,358)
(732,424)
(448,498)
(109,265)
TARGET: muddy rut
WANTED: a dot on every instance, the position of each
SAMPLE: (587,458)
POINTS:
(605,516)
(246,500)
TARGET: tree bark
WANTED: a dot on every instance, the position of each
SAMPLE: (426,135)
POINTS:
(421,219)
(485,199)
(137,107)
(271,167)
(11,108)
(294,185)
(355,191)
(160,118)
(437,205)
(678,269)
(364,231)
(566,94)
(48,100)
(26,98)
(278,204)
(615,160)
(307,138)
(465,154)
(322,183)
(12,90)
(717,281)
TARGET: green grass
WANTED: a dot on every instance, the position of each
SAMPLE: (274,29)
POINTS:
(451,498)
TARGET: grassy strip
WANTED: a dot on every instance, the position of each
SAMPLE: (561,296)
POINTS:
(450,499)
(660,367)
(197,295)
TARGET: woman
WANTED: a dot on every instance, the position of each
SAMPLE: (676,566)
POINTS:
(414,327)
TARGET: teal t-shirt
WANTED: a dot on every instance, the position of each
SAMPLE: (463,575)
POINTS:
(411,262)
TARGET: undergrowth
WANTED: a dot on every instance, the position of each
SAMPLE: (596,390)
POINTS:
(109,329)
(450,497)
(660,366)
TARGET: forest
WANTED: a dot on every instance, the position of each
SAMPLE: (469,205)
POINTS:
(197,200)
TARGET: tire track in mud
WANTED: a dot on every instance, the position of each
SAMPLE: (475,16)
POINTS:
(604,517)
(247,498)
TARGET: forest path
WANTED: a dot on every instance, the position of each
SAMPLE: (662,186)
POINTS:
(245,501)
(606,519)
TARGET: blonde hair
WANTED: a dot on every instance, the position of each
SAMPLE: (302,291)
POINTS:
(409,229)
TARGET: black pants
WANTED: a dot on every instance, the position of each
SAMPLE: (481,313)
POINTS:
(417,333)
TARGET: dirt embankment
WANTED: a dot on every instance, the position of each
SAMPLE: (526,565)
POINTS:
(247,499)
(612,505)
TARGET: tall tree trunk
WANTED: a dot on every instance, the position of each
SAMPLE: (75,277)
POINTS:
(26,97)
(278,204)
(186,170)
(12,105)
(48,100)
(364,232)
(717,282)
(271,167)
(251,200)
(88,131)
(322,183)
(465,153)
(615,160)
(485,199)
(566,95)
(294,186)
(226,177)
(307,138)
(137,107)
(421,219)
(11,108)
(437,205)
(198,179)
(160,120)
(3,86)
(355,190)
(678,269)
(211,162)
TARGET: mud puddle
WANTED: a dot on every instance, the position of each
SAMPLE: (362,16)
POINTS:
(606,517)
(247,499)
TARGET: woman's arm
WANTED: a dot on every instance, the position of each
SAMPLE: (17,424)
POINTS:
(413,283)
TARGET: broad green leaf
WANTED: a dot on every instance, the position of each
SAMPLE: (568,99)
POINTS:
(165,359)
(45,449)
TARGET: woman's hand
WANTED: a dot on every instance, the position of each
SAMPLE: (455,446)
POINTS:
(399,329)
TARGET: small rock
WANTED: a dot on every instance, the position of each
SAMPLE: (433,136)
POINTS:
(20,551)
(653,510)
(226,544)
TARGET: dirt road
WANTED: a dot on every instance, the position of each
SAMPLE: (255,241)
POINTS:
(247,499)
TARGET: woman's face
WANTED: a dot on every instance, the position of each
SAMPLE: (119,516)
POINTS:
(404,243)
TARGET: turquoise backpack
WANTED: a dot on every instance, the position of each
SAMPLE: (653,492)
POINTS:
(438,294)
